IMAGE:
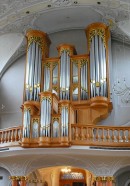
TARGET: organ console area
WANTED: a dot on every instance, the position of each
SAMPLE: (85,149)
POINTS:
(66,90)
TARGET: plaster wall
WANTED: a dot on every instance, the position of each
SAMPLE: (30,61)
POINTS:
(5,177)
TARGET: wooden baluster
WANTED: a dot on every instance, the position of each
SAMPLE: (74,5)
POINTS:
(119,136)
(2,137)
(129,135)
(124,136)
(9,136)
(6,136)
(87,134)
(91,134)
(108,136)
(113,135)
(102,136)
(76,133)
(19,134)
(97,134)
(82,133)
(12,136)
(16,134)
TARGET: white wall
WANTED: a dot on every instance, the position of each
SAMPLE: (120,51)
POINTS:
(5,174)
(73,37)
(11,85)
(11,94)
(10,42)
(123,179)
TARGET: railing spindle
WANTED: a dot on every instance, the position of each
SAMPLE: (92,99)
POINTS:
(102,136)
(16,135)
(129,134)
(124,136)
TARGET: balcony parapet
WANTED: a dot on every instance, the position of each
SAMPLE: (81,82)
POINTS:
(10,136)
(109,136)
(86,135)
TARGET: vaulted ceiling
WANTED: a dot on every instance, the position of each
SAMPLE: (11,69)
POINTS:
(17,16)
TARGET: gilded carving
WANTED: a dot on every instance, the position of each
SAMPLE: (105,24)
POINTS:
(18,178)
(80,61)
(104,178)
(99,29)
(54,64)
(47,98)
(55,119)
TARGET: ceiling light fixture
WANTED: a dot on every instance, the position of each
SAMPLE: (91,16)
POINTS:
(28,12)
(75,2)
(98,2)
(65,170)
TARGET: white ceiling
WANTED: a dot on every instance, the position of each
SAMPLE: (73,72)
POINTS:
(70,18)
(17,16)
(100,162)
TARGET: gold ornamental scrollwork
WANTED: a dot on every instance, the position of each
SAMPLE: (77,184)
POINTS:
(81,61)
(65,50)
(35,181)
(47,98)
(75,61)
(104,178)
(54,64)
(18,178)
(100,32)
(55,88)
(99,29)
(65,107)
(36,120)
(55,119)
(47,65)
(40,38)
(74,86)
(37,40)
(26,108)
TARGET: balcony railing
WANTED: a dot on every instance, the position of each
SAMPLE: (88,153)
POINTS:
(10,136)
(87,135)
(90,135)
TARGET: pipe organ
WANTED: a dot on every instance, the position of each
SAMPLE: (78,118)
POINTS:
(64,90)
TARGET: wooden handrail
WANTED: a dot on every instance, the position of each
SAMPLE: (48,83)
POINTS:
(91,135)
(10,135)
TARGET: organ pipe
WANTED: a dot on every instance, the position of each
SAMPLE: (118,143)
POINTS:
(45,117)
(65,52)
(64,121)
(98,35)
(37,50)
(26,123)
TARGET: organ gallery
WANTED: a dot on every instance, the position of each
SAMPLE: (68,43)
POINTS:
(65,93)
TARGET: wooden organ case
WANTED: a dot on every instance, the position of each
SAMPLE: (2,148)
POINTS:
(66,90)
